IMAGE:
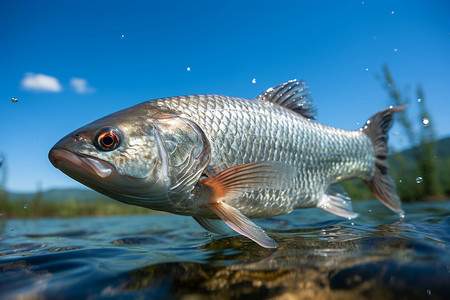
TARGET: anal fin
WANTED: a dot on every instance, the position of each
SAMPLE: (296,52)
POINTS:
(241,224)
(338,202)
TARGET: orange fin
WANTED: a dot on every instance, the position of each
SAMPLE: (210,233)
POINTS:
(241,224)
(234,181)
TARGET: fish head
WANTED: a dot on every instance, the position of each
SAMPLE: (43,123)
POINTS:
(140,156)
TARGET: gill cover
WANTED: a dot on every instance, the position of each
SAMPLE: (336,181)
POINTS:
(184,152)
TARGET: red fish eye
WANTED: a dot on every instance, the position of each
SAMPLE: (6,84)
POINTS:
(107,140)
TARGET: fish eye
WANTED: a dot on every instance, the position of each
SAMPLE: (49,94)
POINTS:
(107,139)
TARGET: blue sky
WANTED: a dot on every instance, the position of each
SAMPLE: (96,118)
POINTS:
(71,62)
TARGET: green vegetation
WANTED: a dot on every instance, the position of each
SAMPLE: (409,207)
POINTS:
(62,203)
(417,173)
(68,208)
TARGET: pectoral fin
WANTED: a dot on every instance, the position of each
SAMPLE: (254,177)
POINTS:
(234,181)
(241,224)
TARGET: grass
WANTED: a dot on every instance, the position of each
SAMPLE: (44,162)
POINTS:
(67,208)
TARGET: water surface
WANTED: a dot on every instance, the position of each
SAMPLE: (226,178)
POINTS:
(377,255)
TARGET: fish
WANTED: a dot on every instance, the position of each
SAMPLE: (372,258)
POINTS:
(227,160)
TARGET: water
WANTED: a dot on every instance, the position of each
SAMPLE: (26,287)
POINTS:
(161,256)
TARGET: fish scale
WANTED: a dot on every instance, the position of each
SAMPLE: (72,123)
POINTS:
(242,131)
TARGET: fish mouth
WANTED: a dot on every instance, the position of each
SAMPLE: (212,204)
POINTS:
(79,166)
(104,178)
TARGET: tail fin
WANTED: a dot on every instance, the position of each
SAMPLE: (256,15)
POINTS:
(381,183)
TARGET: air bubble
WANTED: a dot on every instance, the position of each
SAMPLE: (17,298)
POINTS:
(1,161)
(254,80)
(188,69)
(122,37)
(392,12)
(25,206)
(419,179)
(395,50)
(208,234)
(419,100)
(425,121)
(14,100)
(429,292)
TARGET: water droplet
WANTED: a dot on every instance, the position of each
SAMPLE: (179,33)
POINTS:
(14,100)
(188,69)
(429,292)
(1,161)
(425,121)
(25,206)
(368,122)
(395,50)
(349,218)
(366,69)
(1,214)
(362,3)
(402,215)
(400,180)
(208,234)
(396,133)
(392,12)
(419,100)
(11,228)
(122,37)
(419,179)
(357,123)
(353,224)
(254,80)
(370,210)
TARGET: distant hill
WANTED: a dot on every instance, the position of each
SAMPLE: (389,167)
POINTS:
(355,188)
(442,149)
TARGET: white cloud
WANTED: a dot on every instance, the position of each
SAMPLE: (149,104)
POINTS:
(40,82)
(81,85)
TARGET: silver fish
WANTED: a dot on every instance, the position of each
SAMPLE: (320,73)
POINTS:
(220,158)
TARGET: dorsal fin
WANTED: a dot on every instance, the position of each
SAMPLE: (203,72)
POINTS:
(294,95)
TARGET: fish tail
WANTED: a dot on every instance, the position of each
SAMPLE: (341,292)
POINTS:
(381,183)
